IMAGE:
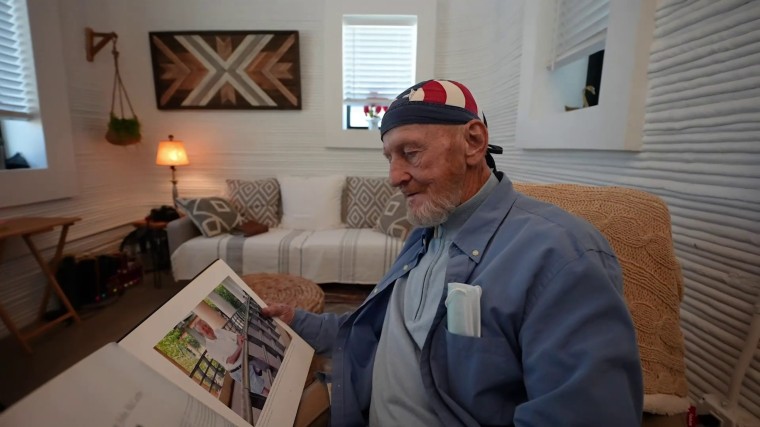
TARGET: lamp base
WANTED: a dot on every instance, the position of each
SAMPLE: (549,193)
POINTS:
(175,194)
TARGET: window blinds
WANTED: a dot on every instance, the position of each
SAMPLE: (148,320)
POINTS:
(15,66)
(378,60)
(580,29)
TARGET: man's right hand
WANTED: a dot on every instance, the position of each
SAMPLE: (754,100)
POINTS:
(285,312)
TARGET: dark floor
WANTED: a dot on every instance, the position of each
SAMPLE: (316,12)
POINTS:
(60,348)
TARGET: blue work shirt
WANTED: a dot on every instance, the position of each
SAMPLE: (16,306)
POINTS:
(557,344)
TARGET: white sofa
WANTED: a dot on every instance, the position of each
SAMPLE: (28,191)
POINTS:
(332,229)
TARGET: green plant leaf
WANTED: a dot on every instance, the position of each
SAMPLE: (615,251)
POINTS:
(125,127)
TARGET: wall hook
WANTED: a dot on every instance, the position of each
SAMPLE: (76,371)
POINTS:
(92,47)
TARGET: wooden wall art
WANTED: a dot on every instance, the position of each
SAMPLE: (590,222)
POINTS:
(226,70)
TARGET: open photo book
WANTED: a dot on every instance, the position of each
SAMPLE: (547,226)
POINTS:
(206,357)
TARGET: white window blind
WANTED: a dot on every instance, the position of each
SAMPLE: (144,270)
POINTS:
(15,61)
(580,29)
(379,57)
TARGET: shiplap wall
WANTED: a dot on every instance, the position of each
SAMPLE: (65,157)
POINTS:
(701,158)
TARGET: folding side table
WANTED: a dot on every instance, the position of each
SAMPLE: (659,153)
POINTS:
(26,227)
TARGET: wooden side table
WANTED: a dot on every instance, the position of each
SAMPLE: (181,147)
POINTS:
(26,227)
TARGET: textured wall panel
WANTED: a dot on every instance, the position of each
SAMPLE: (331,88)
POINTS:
(700,153)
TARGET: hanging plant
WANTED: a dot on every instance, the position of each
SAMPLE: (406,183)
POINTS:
(121,130)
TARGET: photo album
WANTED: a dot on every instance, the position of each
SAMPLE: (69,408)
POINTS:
(206,357)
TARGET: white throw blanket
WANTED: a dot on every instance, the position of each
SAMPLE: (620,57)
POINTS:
(348,255)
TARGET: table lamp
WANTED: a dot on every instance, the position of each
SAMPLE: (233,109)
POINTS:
(172,153)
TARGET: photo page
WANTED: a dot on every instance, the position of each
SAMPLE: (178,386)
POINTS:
(212,341)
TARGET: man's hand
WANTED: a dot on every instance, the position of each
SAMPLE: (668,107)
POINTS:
(283,311)
(240,340)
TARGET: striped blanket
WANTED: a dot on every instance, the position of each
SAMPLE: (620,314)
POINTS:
(348,255)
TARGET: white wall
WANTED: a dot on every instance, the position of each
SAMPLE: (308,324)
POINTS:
(704,168)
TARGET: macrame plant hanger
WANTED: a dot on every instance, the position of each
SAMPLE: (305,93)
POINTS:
(121,130)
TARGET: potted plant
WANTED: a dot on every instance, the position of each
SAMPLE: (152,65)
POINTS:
(123,131)
(373,114)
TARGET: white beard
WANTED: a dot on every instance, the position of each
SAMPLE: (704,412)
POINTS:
(435,210)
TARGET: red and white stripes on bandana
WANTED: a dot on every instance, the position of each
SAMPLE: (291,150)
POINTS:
(432,102)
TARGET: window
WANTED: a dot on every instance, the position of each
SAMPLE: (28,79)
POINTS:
(44,137)
(379,55)
(580,29)
(17,98)
(416,19)
(14,61)
(561,60)
(575,62)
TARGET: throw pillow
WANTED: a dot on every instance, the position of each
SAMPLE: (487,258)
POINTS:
(259,199)
(365,199)
(393,220)
(250,228)
(212,215)
(311,203)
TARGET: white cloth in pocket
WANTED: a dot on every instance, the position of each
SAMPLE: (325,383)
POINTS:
(463,309)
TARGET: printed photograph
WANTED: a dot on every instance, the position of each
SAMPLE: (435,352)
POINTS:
(228,349)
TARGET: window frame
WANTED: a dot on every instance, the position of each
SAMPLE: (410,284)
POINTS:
(617,122)
(336,131)
(58,179)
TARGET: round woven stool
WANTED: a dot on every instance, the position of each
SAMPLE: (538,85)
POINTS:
(287,289)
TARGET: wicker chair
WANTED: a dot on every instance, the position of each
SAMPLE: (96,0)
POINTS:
(637,226)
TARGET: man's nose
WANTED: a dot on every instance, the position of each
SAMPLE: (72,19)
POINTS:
(398,175)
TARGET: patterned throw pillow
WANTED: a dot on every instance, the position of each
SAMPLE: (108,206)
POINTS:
(259,199)
(212,215)
(365,199)
(393,220)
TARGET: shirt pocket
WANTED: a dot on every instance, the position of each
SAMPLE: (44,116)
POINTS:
(484,376)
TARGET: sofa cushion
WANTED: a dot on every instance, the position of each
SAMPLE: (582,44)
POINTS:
(212,215)
(258,200)
(365,199)
(311,203)
(393,220)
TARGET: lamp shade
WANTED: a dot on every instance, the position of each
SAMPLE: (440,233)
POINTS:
(171,153)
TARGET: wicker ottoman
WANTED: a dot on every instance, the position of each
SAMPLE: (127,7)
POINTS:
(284,288)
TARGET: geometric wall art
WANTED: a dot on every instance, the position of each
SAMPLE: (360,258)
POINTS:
(226,70)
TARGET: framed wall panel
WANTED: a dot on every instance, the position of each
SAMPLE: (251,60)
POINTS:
(222,70)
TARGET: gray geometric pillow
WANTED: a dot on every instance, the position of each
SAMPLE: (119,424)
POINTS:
(365,199)
(212,215)
(393,220)
(258,200)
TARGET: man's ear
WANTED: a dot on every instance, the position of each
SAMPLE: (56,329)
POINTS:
(476,137)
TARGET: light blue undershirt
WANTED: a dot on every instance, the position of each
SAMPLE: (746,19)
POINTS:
(398,395)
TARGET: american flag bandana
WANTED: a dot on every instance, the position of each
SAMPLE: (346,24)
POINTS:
(432,102)
(436,102)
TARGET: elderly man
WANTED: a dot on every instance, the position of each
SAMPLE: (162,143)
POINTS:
(551,343)
(226,347)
